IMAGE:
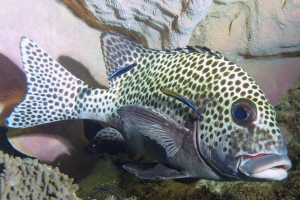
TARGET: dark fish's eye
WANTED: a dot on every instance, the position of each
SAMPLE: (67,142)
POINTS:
(243,111)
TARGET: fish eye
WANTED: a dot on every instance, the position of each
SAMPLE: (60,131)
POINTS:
(243,111)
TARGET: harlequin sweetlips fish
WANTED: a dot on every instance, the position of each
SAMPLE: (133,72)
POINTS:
(195,112)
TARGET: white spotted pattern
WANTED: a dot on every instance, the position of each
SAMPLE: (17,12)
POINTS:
(206,78)
(53,93)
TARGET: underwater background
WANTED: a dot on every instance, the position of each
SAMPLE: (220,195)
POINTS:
(260,36)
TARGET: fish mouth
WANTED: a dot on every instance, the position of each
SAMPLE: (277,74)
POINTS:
(271,167)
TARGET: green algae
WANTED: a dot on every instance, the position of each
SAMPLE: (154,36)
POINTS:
(105,172)
(288,111)
(133,186)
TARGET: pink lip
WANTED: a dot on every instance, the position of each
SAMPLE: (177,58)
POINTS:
(265,166)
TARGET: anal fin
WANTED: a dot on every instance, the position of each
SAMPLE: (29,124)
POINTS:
(154,171)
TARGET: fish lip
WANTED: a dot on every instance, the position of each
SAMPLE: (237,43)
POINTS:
(272,167)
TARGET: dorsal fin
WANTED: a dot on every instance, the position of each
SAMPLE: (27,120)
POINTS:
(202,50)
(119,52)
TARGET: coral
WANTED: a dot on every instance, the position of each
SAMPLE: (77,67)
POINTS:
(27,179)
(158,24)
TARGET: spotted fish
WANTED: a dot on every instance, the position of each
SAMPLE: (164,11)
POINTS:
(195,112)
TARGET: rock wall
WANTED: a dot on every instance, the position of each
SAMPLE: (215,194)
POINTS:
(154,23)
(251,29)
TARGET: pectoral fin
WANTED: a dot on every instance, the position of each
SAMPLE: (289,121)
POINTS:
(154,171)
(155,125)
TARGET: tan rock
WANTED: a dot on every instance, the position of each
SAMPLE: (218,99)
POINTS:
(251,28)
(156,24)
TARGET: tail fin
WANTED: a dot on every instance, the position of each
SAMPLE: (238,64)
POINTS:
(52,90)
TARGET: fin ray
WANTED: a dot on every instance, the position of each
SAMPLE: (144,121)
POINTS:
(155,125)
(154,171)
(119,52)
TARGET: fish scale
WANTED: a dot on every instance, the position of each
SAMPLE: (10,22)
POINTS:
(201,79)
(219,81)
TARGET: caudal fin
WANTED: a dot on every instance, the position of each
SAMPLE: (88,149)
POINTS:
(52,90)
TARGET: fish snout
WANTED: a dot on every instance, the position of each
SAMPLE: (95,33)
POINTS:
(271,167)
